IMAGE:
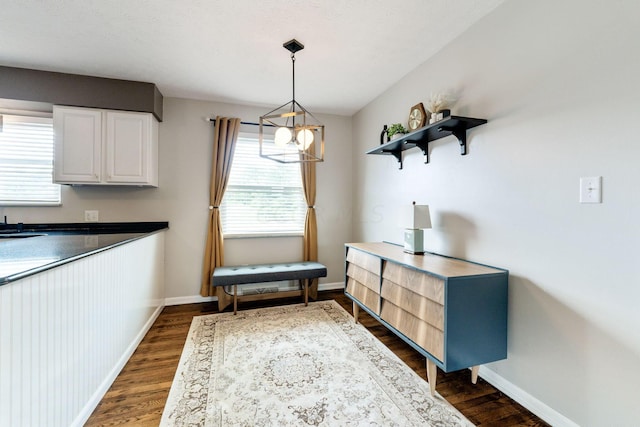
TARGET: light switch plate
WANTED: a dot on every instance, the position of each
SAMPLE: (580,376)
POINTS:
(591,189)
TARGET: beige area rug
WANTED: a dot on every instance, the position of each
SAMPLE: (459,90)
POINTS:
(296,366)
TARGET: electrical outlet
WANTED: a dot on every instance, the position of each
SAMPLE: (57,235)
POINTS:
(91,216)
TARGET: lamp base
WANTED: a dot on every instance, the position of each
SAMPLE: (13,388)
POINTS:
(414,241)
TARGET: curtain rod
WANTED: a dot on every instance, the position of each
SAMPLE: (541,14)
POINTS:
(211,119)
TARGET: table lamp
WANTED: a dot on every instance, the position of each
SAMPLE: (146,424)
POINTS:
(417,218)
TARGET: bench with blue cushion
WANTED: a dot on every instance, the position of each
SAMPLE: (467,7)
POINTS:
(236,275)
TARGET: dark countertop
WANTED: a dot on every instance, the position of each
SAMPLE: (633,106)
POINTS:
(51,245)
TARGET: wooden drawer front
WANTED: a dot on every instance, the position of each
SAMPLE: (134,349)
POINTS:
(365,295)
(421,307)
(364,277)
(364,260)
(416,281)
(425,335)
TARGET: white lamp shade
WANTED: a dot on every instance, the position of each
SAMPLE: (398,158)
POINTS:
(282,136)
(416,217)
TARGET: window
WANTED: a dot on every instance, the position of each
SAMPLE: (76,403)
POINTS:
(26,161)
(263,197)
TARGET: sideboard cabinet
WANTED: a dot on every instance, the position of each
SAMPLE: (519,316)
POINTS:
(452,311)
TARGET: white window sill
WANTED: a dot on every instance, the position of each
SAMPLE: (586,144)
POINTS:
(31,204)
(262,235)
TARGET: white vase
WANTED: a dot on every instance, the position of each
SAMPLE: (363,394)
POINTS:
(436,117)
(396,136)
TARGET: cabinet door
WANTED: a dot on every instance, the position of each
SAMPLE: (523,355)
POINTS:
(78,144)
(129,148)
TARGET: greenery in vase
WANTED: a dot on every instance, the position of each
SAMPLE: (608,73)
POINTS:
(394,129)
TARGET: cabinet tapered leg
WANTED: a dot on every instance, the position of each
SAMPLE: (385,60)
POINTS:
(474,374)
(356,311)
(432,372)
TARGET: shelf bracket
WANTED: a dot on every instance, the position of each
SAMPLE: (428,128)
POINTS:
(459,133)
(424,147)
(398,155)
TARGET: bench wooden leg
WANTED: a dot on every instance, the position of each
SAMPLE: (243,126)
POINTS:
(235,299)
(306,292)
(224,299)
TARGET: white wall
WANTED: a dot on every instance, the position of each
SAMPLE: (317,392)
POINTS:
(558,82)
(182,197)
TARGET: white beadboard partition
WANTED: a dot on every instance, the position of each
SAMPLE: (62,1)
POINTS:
(66,333)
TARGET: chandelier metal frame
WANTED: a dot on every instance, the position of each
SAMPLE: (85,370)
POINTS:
(298,120)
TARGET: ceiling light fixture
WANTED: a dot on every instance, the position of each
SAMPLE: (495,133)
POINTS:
(295,126)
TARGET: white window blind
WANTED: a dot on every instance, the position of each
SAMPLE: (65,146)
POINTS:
(263,197)
(26,161)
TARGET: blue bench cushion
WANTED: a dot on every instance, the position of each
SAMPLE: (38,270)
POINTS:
(241,274)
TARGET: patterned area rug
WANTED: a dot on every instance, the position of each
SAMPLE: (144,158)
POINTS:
(296,366)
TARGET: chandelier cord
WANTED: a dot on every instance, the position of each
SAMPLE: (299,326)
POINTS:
(293,74)
(293,90)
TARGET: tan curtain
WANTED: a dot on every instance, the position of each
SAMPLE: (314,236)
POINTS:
(224,144)
(310,239)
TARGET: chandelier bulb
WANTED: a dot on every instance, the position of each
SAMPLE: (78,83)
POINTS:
(304,139)
(282,136)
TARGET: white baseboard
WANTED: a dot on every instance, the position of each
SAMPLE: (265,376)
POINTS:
(536,406)
(331,286)
(193,299)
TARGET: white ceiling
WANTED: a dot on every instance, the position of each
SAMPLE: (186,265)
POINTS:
(231,50)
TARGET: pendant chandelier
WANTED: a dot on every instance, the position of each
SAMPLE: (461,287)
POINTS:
(297,131)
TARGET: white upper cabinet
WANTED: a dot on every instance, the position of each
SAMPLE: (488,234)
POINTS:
(78,145)
(128,148)
(105,147)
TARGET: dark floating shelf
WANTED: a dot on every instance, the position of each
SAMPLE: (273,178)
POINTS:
(452,125)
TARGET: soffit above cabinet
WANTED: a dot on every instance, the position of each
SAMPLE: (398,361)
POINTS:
(80,91)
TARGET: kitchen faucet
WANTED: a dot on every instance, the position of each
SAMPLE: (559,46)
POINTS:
(5,226)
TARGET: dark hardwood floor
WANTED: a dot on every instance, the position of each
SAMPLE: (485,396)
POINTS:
(138,395)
